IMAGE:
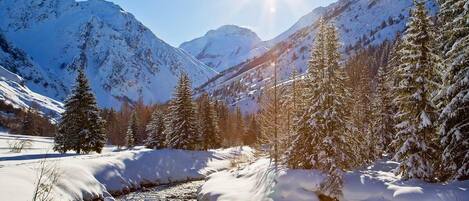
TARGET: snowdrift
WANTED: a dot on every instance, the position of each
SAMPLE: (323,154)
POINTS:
(258,181)
(87,177)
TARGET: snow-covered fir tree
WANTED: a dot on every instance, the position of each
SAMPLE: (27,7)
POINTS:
(273,120)
(132,130)
(28,124)
(393,79)
(209,131)
(81,128)
(417,114)
(323,140)
(182,124)
(361,114)
(454,132)
(252,133)
(382,126)
(222,113)
(239,122)
(156,137)
(293,104)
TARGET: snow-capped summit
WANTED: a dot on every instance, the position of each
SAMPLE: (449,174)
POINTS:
(360,23)
(124,60)
(225,47)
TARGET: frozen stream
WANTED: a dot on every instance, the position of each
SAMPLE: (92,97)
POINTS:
(180,191)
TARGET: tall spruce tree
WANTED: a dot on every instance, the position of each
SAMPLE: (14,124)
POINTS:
(81,128)
(132,130)
(210,133)
(454,132)
(323,140)
(28,124)
(417,114)
(236,127)
(382,115)
(361,113)
(393,79)
(156,137)
(223,121)
(273,117)
(252,133)
(182,124)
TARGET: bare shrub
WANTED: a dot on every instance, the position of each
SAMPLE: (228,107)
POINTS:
(48,175)
(17,145)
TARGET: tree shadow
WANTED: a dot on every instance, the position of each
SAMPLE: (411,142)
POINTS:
(36,156)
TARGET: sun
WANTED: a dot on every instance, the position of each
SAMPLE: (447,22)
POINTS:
(272,9)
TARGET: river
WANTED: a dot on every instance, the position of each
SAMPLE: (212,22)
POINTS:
(177,192)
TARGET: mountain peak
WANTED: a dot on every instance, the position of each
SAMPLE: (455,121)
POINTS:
(233,30)
(124,60)
(225,47)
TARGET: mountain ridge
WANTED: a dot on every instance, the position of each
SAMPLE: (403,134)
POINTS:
(124,60)
(361,23)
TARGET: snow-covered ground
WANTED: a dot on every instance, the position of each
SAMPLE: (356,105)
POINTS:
(99,175)
(259,181)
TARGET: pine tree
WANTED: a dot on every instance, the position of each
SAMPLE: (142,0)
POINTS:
(182,126)
(417,115)
(252,132)
(223,120)
(454,118)
(361,113)
(156,137)
(293,104)
(81,128)
(395,75)
(237,127)
(210,134)
(132,130)
(382,115)
(323,140)
(28,124)
(273,118)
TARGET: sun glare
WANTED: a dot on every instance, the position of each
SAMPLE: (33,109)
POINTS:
(273,9)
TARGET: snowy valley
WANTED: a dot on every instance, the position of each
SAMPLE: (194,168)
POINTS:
(360,100)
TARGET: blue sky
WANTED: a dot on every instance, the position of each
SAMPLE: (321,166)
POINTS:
(177,21)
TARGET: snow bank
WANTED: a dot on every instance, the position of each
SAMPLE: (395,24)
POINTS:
(258,181)
(99,175)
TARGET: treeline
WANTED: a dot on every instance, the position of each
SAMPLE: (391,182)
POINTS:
(117,121)
(409,99)
(232,126)
(29,122)
(183,123)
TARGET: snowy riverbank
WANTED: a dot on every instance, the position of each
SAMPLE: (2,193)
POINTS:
(100,175)
(258,181)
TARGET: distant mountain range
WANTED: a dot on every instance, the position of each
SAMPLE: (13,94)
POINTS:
(123,59)
(46,41)
(361,23)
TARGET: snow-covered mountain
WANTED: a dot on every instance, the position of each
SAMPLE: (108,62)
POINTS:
(17,61)
(361,23)
(14,92)
(124,60)
(225,47)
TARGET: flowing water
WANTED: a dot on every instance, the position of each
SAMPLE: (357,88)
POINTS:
(177,192)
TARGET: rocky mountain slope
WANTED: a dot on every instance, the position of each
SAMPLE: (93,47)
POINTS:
(225,47)
(124,60)
(361,23)
(14,92)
